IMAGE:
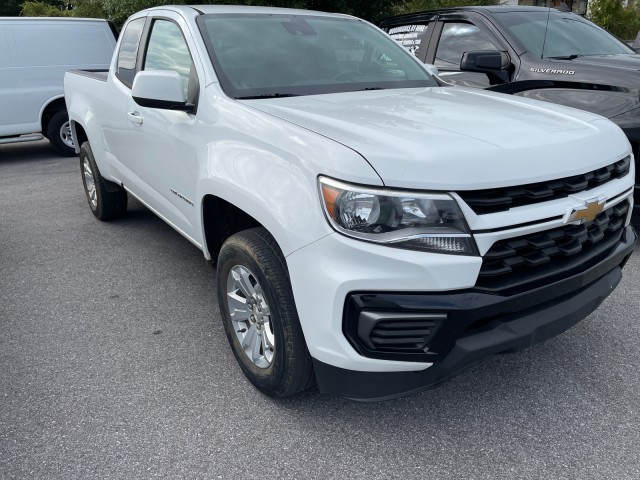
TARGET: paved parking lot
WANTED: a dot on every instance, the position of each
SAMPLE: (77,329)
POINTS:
(114,364)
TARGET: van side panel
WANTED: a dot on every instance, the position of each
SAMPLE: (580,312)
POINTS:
(42,52)
(5,56)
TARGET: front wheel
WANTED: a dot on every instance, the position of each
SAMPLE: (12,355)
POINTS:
(59,134)
(259,314)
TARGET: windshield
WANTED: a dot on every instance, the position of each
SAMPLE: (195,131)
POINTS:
(258,56)
(567,35)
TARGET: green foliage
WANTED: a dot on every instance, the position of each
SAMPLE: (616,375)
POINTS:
(42,9)
(372,10)
(115,10)
(91,9)
(10,8)
(411,6)
(616,17)
(119,10)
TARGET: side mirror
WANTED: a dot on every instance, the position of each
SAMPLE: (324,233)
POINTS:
(491,62)
(160,89)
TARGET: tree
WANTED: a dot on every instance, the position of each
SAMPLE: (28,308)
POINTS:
(115,10)
(618,17)
(10,8)
(119,10)
(372,10)
(411,6)
(44,9)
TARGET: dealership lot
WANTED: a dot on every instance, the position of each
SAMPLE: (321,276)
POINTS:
(114,363)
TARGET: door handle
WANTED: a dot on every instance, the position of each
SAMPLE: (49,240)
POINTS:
(135,117)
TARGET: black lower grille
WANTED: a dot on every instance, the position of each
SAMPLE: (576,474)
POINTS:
(379,333)
(408,335)
(502,199)
(543,257)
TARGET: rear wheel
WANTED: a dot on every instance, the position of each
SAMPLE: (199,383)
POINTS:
(59,134)
(259,314)
(107,200)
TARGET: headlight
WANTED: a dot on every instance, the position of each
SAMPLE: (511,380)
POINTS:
(417,221)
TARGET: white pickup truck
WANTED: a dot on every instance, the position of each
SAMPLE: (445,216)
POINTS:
(373,229)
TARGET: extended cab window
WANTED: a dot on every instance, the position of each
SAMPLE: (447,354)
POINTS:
(458,38)
(126,68)
(167,50)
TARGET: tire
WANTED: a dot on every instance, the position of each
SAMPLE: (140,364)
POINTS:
(59,134)
(280,366)
(107,200)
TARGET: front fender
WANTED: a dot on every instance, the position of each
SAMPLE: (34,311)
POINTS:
(269,168)
(280,199)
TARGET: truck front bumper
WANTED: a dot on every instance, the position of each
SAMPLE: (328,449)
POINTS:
(475,326)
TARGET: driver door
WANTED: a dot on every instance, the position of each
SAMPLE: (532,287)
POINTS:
(165,157)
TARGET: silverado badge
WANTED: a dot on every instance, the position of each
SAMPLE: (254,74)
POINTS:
(587,212)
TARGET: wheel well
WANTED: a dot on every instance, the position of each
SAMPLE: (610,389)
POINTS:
(221,220)
(49,111)
(80,134)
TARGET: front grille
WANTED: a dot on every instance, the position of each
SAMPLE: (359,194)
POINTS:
(502,199)
(543,257)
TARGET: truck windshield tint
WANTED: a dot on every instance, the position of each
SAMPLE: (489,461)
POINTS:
(567,36)
(261,56)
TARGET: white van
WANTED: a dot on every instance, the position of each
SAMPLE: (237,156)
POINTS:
(35,53)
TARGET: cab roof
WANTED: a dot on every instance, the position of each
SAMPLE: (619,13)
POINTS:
(231,9)
(486,10)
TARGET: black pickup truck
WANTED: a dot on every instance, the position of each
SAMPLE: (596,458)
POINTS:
(533,52)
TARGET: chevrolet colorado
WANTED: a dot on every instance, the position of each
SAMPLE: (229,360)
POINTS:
(372,231)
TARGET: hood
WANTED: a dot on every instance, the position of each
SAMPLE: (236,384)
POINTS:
(621,71)
(629,62)
(450,138)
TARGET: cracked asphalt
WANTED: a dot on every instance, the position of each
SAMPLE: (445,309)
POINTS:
(114,364)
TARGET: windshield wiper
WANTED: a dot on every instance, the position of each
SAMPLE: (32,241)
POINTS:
(268,95)
(369,88)
(566,57)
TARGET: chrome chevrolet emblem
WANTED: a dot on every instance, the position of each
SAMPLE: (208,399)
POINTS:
(587,212)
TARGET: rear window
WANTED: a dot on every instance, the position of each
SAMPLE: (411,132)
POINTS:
(66,43)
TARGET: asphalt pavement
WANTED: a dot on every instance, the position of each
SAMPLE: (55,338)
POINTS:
(114,364)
